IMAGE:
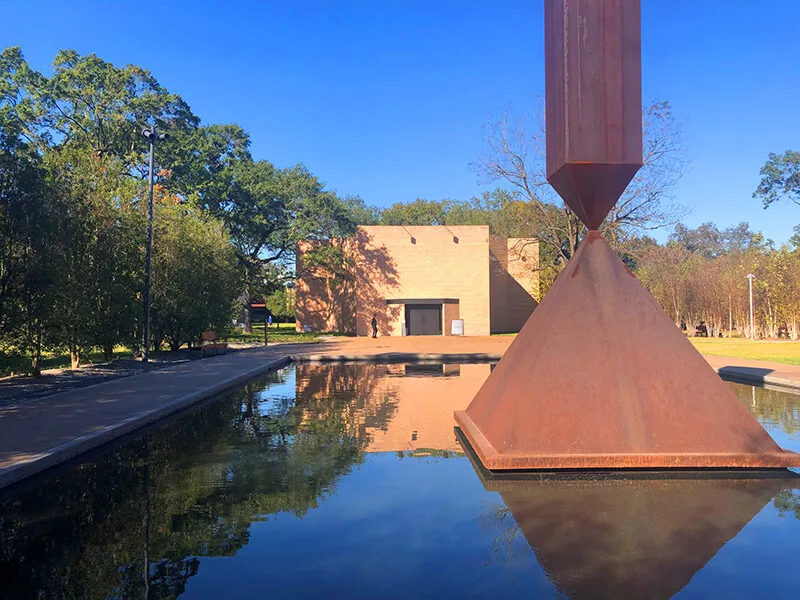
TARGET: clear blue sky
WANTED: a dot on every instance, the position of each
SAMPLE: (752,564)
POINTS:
(387,99)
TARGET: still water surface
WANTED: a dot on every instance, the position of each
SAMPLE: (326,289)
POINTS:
(347,481)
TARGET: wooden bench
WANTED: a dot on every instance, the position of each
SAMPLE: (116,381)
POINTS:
(210,344)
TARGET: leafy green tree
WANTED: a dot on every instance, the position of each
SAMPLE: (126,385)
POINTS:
(780,178)
(100,234)
(267,212)
(28,252)
(360,212)
(281,303)
(196,279)
(74,165)
(418,212)
(709,241)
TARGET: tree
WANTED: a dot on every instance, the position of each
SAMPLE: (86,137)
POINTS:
(100,236)
(281,303)
(360,212)
(418,212)
(780,178)
(267,212)
(515,157)
(72,175)
(196,279)
(710,242)
(28,247)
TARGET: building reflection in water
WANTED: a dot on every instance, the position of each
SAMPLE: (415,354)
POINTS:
(422,399)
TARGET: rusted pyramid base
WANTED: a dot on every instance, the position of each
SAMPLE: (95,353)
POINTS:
(630,539)
(600,377)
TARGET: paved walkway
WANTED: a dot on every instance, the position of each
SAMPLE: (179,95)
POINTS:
(40,433)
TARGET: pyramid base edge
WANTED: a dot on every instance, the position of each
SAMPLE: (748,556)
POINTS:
(494,460)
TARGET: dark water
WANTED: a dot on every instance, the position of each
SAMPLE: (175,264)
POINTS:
(347,482)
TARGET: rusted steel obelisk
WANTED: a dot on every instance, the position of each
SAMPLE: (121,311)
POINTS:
(600,377)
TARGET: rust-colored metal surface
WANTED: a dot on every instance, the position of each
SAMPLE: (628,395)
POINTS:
(601,377)
(628,538)
(593,102)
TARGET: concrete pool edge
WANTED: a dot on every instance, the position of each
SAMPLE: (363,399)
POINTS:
(72,449)
(733,373)
(399,357)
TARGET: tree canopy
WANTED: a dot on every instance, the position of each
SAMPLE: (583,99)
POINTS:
(73,196)
(780,178)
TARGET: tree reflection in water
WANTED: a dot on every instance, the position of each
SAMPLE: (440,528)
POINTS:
(773,408)
(132,523)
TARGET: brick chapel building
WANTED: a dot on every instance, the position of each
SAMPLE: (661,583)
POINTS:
(421,281)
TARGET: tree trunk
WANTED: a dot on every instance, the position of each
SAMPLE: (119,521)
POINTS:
(248,317)
(730,317)
(36,358)
(74,356)
(108,352)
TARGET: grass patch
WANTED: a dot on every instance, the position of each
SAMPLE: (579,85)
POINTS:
(11,362)
(786,352)
(779,351)
(278,332)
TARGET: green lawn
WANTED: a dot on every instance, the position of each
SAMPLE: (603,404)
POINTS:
(278,332)
(53,360)
(779,351)
(284,332)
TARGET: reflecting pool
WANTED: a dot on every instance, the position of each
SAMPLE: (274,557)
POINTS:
(347,481)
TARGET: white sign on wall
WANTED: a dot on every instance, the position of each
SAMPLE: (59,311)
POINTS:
(457,327)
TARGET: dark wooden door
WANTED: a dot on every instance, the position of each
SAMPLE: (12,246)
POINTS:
(424,319)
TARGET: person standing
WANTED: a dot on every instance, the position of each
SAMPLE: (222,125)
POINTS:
(374,326)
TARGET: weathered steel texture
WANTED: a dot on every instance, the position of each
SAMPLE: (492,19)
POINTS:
(629,539)
(601,377)
(593,102)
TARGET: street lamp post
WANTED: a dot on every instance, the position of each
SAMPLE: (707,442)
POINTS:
(750,277)
(152,135)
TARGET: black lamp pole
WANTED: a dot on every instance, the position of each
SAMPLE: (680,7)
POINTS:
(152,135)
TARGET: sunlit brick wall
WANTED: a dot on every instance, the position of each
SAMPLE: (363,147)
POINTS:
(391,262)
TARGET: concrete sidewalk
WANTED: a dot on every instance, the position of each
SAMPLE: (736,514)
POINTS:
(46,431)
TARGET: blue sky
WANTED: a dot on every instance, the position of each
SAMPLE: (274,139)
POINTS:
(388,99)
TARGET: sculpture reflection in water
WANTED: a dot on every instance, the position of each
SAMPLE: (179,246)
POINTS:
(625,538)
